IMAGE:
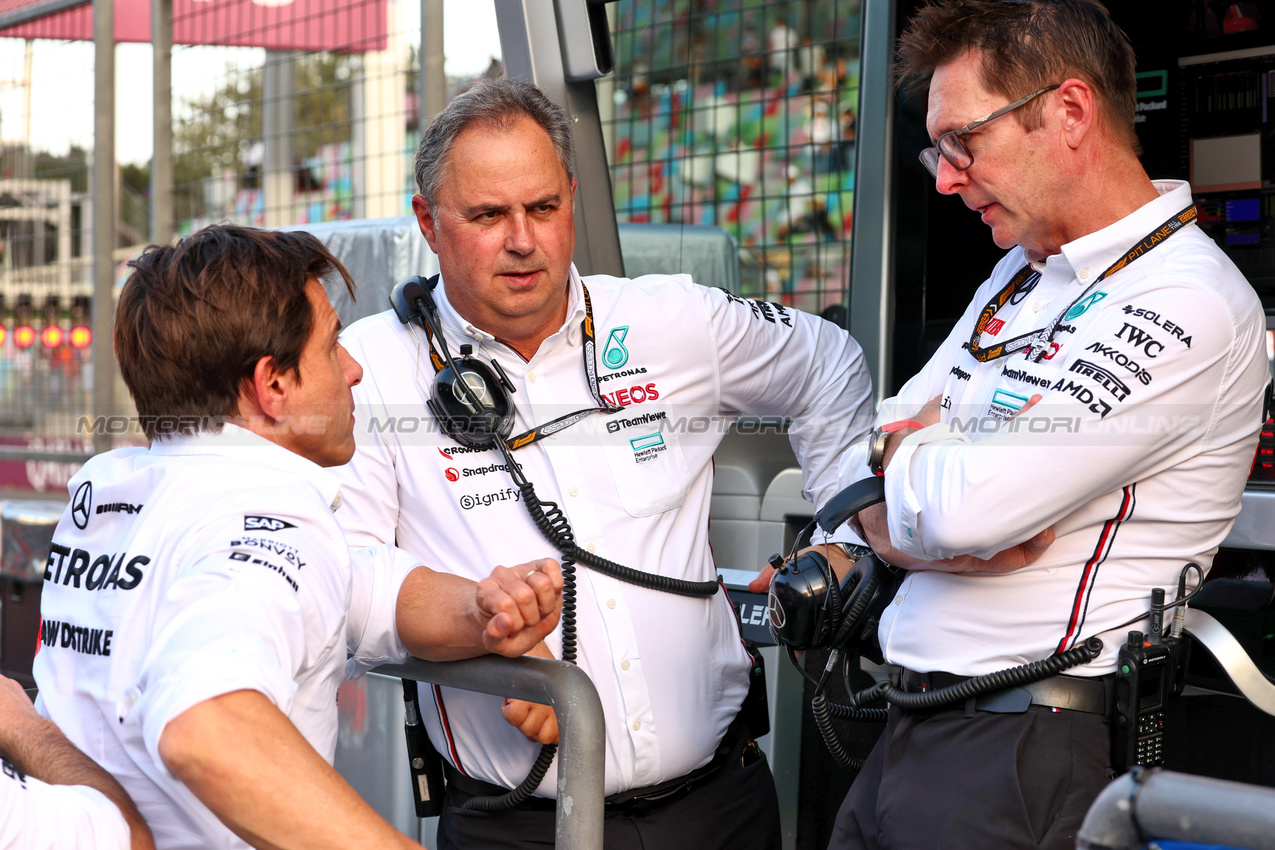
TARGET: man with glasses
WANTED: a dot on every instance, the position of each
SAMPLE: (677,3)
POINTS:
(1083,433)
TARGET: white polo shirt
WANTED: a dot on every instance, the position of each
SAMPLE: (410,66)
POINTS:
(37,816)
(682,361)
(201,566)
(1136,454)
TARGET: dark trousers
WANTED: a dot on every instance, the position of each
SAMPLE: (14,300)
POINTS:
(973,779)
(736,810)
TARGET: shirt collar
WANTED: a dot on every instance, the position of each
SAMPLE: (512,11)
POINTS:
(240,444)
(458,324)
(1093,253)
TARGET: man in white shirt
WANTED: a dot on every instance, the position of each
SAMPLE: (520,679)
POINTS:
(1083,433)
(52,796)
(623,391)
(200,601)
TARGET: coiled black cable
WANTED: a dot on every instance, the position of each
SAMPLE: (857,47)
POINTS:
(558,531)
(822,710)
(1000,680)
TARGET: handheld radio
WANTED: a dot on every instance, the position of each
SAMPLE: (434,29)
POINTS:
(1143,686)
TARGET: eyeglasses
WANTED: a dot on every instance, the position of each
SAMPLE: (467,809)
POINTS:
(951,145)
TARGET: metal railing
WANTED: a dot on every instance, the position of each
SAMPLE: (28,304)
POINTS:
(581,731)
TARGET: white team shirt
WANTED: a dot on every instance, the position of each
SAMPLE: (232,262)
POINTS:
(201,566)
(682,361)
(37,816)
(1136,454)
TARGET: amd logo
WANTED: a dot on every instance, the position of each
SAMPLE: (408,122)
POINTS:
(265,523)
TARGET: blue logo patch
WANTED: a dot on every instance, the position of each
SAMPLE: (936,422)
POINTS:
(1083,305)
(615,355)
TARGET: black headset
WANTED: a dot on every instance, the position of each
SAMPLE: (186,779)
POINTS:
(810,609)
(471,399)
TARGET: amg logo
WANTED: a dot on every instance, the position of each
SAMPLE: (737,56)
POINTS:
(1107,380)
(118,507)
(265,523)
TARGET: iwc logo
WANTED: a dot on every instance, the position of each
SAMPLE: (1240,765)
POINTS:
(82,505)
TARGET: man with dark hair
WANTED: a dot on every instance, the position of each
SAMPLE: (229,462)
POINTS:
(1087,427)
(665,364)
(200,600)
(52,796)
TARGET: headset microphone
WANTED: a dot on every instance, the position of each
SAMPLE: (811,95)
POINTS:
(470,399)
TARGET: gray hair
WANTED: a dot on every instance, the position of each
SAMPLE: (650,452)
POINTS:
(498,104)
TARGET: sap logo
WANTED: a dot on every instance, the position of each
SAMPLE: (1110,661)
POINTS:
(265,523)
(633,395)
(1150,346)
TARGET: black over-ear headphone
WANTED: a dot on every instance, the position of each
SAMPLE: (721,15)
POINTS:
(809,609)
(470,399)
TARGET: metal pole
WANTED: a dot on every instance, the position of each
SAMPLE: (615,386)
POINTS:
(871,266)
(104,215)
(278,178)
(1177,807)
(581,730)
(433,87)
(162,157)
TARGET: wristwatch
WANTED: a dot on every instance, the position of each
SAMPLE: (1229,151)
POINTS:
(854,552)
(876,450)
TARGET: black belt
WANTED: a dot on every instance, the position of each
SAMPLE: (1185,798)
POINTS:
(1071,693)
(636,802)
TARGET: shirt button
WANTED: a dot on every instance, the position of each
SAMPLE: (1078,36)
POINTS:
(611,604)
(624,665)
(637,724)
(592,548)
(898,600)
(574,491)
(1084,274)
(1037,306)
(531,376)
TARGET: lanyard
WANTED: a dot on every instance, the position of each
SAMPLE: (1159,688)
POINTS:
(1038,340)
(589,354)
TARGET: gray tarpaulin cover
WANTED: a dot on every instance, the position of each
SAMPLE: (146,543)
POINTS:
(379,252)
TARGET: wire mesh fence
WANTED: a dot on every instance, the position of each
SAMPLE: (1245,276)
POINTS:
(741,114)
(737,113)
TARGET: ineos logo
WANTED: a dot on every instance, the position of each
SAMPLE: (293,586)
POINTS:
(82,505)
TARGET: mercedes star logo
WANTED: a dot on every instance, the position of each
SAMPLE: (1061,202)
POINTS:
(82,505)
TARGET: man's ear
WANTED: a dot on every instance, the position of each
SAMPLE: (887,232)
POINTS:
(425,219)
(266,392)
(1078,109)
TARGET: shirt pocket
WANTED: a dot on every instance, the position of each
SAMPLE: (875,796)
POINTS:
(647,463)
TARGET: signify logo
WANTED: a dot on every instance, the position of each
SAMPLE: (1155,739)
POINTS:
(615,355)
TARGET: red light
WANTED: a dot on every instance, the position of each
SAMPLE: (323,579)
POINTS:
(23,336)
(81,337)
(51,336)
(2,333)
